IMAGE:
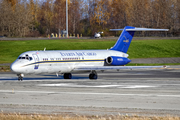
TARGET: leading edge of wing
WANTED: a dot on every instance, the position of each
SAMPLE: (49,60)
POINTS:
(115,67)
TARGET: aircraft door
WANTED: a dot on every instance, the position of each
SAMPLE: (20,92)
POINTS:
(36,59)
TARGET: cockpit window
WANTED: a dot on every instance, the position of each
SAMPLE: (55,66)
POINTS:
(27,58)
(21,57)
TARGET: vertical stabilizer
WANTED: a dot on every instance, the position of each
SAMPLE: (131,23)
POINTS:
(124,40)
(126,36)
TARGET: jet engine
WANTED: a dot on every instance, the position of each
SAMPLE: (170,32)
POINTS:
(115,60)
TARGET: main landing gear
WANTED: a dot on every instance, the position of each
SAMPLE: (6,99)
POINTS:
(93,75)
(20,77)
(67,75)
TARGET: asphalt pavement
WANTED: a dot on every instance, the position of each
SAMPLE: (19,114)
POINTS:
(142,92)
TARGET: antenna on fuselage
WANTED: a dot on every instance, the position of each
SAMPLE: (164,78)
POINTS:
(44,49)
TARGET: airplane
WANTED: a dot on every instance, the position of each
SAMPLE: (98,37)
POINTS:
(68,61)
(98,35)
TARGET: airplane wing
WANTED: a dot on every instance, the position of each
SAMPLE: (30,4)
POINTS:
(115,67)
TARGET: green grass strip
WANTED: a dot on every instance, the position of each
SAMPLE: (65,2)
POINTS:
(10,50)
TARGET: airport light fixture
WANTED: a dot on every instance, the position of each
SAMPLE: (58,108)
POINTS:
(67,18)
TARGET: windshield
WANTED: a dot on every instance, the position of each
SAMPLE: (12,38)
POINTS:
(27,58)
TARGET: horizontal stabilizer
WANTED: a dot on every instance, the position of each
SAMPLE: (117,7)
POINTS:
(140,29)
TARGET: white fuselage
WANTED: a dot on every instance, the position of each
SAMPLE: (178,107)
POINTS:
(61,61)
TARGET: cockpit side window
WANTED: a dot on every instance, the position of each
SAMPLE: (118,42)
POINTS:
(27,57)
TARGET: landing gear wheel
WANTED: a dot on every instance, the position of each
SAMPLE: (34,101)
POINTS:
(93,75)
(20,77)
(67,75)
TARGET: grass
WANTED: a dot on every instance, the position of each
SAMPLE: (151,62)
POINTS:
(154,48)
(10,50)
(60,117)
(151,64)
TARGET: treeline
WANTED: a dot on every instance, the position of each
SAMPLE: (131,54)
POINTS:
(22,18)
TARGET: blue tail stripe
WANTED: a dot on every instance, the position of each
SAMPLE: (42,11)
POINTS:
(124,40)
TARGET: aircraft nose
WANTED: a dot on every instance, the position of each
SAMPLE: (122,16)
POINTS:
(14,67)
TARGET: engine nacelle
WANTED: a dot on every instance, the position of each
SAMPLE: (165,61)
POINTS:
(114,60)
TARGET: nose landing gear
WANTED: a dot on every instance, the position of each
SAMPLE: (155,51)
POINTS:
(20,77)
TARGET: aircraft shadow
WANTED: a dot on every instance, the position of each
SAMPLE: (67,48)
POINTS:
(47,77)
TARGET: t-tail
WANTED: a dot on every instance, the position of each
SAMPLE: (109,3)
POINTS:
(126,36)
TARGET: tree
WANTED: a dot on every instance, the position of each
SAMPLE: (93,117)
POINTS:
(74,14)
(14,20)
(99,14)
(20,17)
(45,17)
(119,13)
(59,14)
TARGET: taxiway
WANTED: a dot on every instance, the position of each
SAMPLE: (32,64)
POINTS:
(142,92)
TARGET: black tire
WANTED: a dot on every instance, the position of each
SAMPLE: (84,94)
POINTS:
(90,76)
(67,75)
(93,76)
